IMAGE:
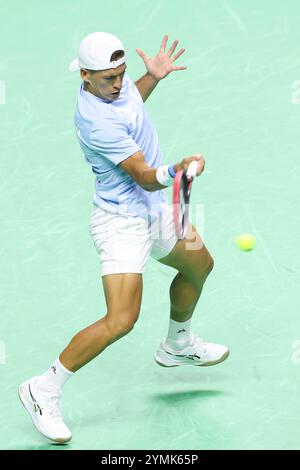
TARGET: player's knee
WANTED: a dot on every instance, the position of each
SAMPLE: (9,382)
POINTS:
(207,268)
(121,324)
(126,325)
(201,273)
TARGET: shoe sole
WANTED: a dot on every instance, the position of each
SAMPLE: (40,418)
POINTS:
(32,416)
(171,362)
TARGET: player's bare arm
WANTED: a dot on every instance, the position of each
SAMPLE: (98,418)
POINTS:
(158,67)
(146,176)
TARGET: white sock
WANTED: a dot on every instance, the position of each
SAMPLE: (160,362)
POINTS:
(55,377)
(179,333)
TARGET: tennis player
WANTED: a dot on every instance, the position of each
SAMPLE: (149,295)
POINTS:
(130,221)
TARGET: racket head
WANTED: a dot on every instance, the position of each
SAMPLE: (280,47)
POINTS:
(181,198)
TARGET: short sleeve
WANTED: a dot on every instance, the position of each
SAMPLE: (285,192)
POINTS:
(110,139)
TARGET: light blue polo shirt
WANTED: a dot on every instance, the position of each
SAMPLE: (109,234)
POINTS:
(108,133)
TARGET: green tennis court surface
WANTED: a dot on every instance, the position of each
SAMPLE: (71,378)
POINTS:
(238,103)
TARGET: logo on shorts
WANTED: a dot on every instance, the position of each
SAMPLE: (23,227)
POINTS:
(181,331)
(54,369)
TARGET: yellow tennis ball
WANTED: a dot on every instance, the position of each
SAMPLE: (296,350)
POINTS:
(245,242)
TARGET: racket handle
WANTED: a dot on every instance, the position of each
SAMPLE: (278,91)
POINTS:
(192,169)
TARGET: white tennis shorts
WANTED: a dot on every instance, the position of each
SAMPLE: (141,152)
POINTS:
(124,242)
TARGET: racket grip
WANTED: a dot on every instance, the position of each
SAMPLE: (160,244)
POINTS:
(192,169)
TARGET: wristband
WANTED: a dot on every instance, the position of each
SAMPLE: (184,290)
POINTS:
(163,176)
(171,171)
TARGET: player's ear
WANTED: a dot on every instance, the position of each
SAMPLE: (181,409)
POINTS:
(84,75)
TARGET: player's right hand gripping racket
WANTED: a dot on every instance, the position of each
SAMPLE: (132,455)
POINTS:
(181,198)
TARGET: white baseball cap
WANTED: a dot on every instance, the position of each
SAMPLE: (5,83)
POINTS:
(95,51)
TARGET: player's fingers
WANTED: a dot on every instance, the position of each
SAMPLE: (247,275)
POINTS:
(172,48)
(178,54)
(187,161)
(201,166)
(201,163)
(196,156)
(163,44)
(141,54)
(178,68)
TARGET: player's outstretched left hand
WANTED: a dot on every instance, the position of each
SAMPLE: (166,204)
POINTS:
(162,64)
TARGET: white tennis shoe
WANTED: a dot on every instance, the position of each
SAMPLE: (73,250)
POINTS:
(45,411)
(195,353)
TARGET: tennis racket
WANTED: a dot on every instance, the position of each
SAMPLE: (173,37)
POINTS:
(181,198)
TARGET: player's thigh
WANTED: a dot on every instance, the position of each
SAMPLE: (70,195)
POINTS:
(190,256)
(123,295)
